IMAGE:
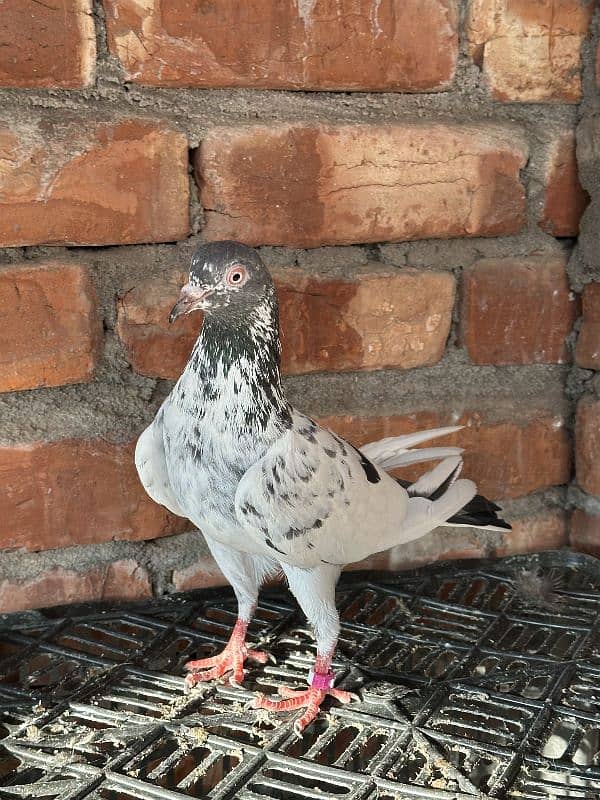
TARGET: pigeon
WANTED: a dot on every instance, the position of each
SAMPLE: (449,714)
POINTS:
(270,489)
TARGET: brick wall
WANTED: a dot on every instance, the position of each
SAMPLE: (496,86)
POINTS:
(584,270)
(408,171)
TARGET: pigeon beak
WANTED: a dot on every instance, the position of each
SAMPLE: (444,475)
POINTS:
(190,298)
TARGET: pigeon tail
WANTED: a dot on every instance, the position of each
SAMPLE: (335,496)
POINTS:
(425,514)
(480,513)
(395,451)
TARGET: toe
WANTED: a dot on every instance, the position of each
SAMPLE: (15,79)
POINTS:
(259,656)
(200,664)
(343,696)
(305,720)
(285,691)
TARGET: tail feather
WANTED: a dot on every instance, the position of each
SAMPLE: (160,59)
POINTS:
(480,513)
(435,491)
(394,451)
(424,515)
(441,477)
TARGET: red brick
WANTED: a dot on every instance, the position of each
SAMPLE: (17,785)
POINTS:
(199,575)
(119,580)
(587,352)
(378,320)
(585,532)
(587,445)
(305,186)
(47,45)
(154,347)
(506,459)
(517,311)
(71,492)
(372,320)
(287,45)
(565,198)
(544,531)
(530,51)
(74,182)
(51,330)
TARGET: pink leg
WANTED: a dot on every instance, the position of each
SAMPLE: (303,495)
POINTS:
(230,660)
(310,698)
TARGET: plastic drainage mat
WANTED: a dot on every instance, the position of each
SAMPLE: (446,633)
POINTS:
(474,683)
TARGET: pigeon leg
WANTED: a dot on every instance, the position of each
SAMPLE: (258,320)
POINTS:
(315,591)
(230,660)
(246,573)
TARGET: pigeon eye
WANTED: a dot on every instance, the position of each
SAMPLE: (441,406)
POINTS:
(236,276)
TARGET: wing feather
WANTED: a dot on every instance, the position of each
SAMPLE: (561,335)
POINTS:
(151,465)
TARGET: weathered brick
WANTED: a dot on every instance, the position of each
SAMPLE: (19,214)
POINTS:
(118,580)
(154,347)
(378,320)
(74,182)
(530,51)
(199,575)
(587,351)
(565,198)
(506,459)
(585,532)
(51,331)
(305,185)
(372,320)
(587,445)
(47,45)
(517,311)
(287,45)
(543,531)
(71,492)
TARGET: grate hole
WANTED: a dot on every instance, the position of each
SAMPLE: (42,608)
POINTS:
(115,640)
(588,749)
(300,747)
(336,748)
(8,649)
(8,764)
(514,676)
(558,741)
(538,783)
(296,782)
(219,769)
(479,769)
(362,757)
(480,720)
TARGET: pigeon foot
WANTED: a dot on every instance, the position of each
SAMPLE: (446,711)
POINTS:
(230,660)
(310,699)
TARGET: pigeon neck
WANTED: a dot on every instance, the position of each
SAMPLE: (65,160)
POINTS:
(238,357)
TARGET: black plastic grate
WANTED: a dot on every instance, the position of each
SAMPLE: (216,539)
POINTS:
(470,687)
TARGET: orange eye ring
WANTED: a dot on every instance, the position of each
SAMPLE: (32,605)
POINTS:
(236,276)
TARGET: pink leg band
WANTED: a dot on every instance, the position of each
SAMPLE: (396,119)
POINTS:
(321,680)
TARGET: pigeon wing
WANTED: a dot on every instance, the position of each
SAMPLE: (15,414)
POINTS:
(303,497)
(151,465)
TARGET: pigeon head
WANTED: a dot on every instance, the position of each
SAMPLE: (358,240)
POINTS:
(226,278)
